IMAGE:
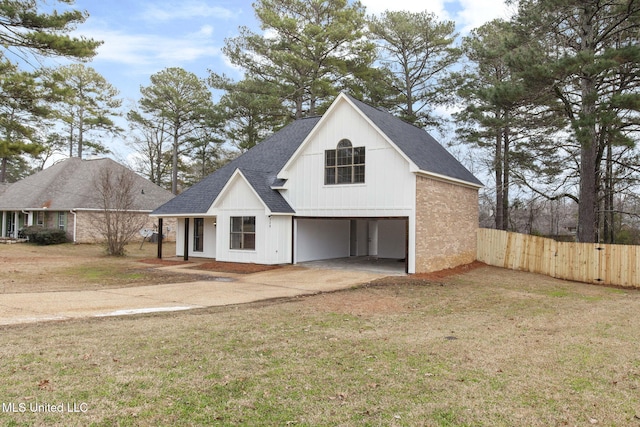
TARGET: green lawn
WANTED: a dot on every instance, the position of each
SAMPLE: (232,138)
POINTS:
(487,348)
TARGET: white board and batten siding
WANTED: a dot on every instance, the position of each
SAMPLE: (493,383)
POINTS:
(209,243)
(389,187)
(388,191)
(272,231)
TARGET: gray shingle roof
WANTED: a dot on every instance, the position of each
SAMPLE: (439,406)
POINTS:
(261,164)
(68,185)
(417,144)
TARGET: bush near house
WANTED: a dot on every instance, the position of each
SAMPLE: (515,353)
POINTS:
(45,236)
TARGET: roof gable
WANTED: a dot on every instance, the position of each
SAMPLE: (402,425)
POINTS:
(419,148)
(232,186)
(257,182)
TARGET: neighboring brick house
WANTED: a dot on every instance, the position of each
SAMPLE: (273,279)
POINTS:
(63,196)
(355,182)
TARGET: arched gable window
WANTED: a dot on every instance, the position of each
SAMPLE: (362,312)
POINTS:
(344,143)
(344,165)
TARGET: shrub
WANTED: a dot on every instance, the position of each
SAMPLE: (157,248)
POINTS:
(45,236)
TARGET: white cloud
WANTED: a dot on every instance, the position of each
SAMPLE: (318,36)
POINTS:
(140,50)
(474,13)
(206,31)
(437,7)
(467,14)
(169,11)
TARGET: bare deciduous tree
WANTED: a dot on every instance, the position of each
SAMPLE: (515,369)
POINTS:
(117,221)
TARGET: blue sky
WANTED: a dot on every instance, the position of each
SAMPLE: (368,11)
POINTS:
(142,37)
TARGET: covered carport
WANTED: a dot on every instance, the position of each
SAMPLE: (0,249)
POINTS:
(365,239)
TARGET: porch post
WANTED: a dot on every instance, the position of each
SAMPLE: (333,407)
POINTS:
(4,224)
(294,232)
(186,239)
(160,238)
(406,246)
(16,224)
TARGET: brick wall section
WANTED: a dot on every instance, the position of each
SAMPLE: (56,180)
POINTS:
(446,224)
(85,232)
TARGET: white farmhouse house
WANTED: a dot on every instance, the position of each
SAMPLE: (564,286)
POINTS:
(355,182)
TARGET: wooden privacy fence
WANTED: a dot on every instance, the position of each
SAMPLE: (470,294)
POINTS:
(617,265)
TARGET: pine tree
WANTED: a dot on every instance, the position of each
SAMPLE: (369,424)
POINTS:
(417,50)
(309,50)
(586,42)
(183,102)
(27,31)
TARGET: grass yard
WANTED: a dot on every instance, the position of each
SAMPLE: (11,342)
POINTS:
(26,268)
(488,347)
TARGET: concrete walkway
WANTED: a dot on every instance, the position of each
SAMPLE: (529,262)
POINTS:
(220,289)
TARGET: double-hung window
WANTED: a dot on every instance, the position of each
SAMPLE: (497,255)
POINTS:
(62,220)
(344,165)
(243,232)
(40,218)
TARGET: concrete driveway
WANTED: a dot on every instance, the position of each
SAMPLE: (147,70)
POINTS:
(220,289)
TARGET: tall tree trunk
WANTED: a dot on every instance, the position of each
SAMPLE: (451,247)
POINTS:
(3,169)
(158,167)
(587,209)
(500,224)
(506,171)
(174,166)
(80,131)
(588,138)
(408,85)
(70,139)
(313,100)
(608,225)
(299,109)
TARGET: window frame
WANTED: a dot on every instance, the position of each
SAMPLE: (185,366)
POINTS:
(242,233)
(40,218)
(62,221)
(345,164)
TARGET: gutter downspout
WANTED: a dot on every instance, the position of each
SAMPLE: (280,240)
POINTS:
(29,216)
(16,223)
(28,222)
(75,224)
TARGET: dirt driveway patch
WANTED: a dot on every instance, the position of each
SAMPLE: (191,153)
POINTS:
(88,285)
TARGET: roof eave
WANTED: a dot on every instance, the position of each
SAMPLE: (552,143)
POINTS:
(452,180)
(182,215)
(282,213)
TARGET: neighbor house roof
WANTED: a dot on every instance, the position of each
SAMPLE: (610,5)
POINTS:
(69,184)
(261,164)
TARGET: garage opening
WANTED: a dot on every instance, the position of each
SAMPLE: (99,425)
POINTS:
(361,241)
